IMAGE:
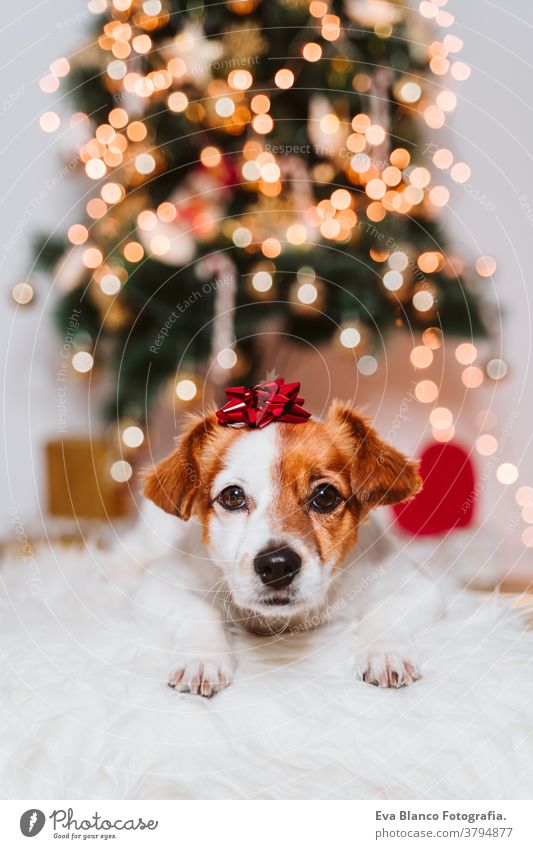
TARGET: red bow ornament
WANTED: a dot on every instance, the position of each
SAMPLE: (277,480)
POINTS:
(257,406)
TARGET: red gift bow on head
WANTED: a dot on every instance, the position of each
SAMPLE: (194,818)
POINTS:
(257,406)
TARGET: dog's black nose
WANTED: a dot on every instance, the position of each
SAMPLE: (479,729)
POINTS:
(277,566)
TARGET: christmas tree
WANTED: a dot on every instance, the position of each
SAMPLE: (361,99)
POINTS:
(255,162)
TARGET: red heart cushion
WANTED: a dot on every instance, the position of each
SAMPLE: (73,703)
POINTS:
(447,499)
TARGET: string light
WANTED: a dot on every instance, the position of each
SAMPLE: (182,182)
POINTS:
(432,338)
(496,369)
(341,199)
(426,391)
(136,131)
(312,51)
(421,357)
(270,172)
(367,365)
(434,117)
(260,104)
(443,158)
(485,266)
(441,418)
(145,163)
(350,337)
(186,389)
(133,436)
(452,43)
(110,284)
(439,196)
(95,169)
(400,158)
(166,212)
(427,9)
(262,124)
(117,69)
(92,257)
(49,122)
(307,293)
(284,78)
(419,177)
(375,134)
(296,234)
(329,124)
(527,537)
(262,281)
(240,79)
(121,471)
(271,248)
(22,293)
(224,107)
(444,434)
(507,473)
(251,171)
(460,172)
(398,261)
(423,301)
(142,43)
(460,71)
(178,102)
(472,377)
(82,362)
(447,101)
(210,157)
(524,496)
(112,192)
(118,118)
(133,251)
(227,358)
(49,83)
(527,514)
(318,9)
(486,445)
(242,237)
(77,234)
(330,27)
(96,208)
(410,92)
(393,280)
(465,353)
(375,188)
(160,245)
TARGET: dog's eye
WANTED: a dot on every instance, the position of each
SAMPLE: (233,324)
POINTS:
(232,498)
(325,498)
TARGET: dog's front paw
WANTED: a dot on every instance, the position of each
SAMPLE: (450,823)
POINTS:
(387,667)
(203,676)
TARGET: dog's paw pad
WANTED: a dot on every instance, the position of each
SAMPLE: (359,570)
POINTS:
(389,670)
(201,677)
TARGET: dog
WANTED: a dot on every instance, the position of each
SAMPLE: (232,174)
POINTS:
(282,513)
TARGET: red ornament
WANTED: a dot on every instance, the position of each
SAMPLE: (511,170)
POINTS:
(258,406)
(448,497)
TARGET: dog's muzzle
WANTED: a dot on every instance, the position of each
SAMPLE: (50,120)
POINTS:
(277,567)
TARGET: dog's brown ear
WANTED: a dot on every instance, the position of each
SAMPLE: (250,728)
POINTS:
(175,482)
(379,473)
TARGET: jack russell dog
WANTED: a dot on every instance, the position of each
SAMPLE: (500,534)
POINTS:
(275,515)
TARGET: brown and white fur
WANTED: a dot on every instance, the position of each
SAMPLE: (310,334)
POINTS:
(276,472)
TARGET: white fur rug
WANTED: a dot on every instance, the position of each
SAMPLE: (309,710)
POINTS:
(86,713)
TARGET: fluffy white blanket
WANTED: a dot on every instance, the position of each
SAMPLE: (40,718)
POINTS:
(86,713)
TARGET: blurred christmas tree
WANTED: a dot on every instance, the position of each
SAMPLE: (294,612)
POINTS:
(255,161)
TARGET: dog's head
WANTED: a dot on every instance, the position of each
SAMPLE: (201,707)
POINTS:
(280,507)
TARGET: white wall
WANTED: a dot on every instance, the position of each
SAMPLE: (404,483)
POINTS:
(34,199)
(491,130)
